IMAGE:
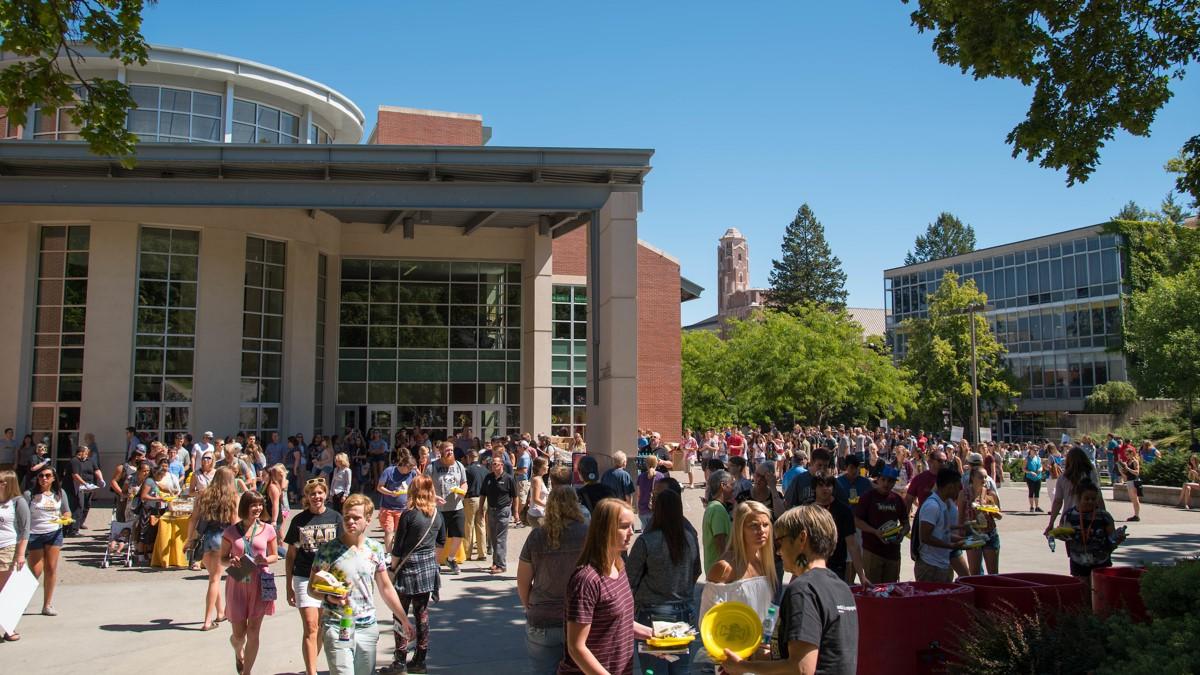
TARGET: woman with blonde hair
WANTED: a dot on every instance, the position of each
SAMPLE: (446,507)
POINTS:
(276,508)
(818,627)
(546,563)
(745,572)
(14,532)
(215,510)
(538,492)
(419,533)
(339,487)
(599,611)
(311,528)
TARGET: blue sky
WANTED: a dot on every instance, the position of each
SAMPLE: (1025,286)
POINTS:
(752,109)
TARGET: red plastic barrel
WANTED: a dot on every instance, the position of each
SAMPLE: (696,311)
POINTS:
(1001,592)
(1057,591)
(914,634)
(1116,589)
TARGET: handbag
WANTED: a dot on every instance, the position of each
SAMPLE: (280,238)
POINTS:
(266,587)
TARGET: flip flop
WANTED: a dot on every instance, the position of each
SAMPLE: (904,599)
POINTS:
(209,627)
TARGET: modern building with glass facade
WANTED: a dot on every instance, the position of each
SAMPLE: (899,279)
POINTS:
(260,270)
(1055,302)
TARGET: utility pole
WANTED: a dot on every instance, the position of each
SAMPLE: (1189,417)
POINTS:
(974,382)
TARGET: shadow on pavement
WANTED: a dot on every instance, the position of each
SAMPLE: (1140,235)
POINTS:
(1155,548)
(153,626)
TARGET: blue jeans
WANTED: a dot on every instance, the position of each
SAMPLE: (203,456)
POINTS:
(680,611)
(356,657)
(545,647)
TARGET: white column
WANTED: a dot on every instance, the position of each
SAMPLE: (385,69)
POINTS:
(612,319)
(299,340)
(108,353)
(537,285)
(217,384)
(18,278)
(228,121)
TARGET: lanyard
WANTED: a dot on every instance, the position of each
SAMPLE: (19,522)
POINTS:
(248,541)
(1087,528)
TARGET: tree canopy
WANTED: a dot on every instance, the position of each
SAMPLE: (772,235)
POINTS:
(1095,67)
(812,363)
(48,33)
(807,271)
(1163,336)
(939,355)
(944,237)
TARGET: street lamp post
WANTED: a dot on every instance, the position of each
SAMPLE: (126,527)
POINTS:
(971,310)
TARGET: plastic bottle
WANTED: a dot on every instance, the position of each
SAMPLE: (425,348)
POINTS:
(346,625)
(1051,542)
(769,624)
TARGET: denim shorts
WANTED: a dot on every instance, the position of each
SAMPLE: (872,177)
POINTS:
(38,542)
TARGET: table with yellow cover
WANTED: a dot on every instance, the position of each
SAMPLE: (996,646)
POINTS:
(169,545)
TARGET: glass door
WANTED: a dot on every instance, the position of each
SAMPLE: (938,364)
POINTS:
(380,417)
(463,417)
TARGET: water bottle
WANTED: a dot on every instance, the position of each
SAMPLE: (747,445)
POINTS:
(1052,543)
(346,625)
(769,624)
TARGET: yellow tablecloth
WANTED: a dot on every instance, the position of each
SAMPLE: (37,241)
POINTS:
(168,546)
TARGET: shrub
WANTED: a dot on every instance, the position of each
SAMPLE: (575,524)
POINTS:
(1112,397)
(1170,469)
(1172,591)
(1003,642)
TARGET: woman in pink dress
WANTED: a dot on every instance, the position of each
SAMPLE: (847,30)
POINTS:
(248,547)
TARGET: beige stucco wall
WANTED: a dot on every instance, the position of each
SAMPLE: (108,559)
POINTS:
(112,290)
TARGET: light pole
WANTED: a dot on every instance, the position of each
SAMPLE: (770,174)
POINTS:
(971,310)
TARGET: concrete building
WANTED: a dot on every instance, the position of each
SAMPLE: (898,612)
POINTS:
(1055,302)
(261,270)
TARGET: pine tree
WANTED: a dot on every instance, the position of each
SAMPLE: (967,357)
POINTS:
(808,270)
(944,237)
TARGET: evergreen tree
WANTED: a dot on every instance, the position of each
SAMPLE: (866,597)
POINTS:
(944,237)
(808,271)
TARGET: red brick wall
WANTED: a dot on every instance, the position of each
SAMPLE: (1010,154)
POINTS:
(659,404)
(414,128)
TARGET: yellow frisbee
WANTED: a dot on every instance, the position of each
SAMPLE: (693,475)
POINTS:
(731,625)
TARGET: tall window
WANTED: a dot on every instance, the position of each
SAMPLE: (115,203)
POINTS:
(165,333)
(59,337)
(318,135)
(257,123)
(55,124)
(568,360)
(262,336)
(431,343)
(319,380)
(166,114)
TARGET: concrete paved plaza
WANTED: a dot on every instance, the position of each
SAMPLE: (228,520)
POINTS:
(144,620)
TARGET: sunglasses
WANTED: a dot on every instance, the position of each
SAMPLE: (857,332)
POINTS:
(45,475)
(312,481)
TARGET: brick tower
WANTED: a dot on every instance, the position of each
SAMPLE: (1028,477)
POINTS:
(733,269)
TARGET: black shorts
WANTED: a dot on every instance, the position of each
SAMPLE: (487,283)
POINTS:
(1137,485)
(1078,570)
(455,522)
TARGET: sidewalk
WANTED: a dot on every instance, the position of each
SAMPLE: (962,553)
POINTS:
(121,619)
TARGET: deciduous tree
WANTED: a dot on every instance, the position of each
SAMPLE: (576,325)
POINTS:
(47,35)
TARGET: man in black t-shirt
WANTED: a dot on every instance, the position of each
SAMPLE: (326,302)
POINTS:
(85,471)
(496,498)
(476,518)
(592,490)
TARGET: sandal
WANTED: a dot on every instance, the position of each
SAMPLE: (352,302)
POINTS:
(209,627)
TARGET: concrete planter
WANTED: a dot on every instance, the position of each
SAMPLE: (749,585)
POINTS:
(1154,494)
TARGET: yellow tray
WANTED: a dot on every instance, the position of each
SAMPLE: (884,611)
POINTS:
(987,508)
(670,642)
(322,588)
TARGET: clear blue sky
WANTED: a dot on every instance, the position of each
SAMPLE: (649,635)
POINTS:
(752,109)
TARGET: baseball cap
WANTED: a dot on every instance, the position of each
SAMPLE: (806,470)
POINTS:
(589,468)
(974,458)
(890,472)
(208,434)
(140,448)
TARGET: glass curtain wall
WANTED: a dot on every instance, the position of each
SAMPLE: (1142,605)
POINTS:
(568,361)
(420,337)
(262,336)
(165,330)
(61,318)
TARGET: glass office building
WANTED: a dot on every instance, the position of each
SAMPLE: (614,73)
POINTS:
(1055,304)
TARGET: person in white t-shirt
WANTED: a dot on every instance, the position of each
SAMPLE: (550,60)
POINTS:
(204,445)
(940,533)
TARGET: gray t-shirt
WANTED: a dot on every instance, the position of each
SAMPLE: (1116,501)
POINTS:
(819,609)
(654,577)
(552,569)
(446,478)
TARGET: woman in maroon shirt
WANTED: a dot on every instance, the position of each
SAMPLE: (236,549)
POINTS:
(599,613)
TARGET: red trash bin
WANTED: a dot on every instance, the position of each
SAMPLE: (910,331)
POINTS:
(913,633)
(1057,592)
(1001,592)
(1116,589)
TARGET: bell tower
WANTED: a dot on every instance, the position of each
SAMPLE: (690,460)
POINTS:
(733,268)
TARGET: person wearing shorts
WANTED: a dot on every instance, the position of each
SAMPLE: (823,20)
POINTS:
(316,525)
(14,532)
(393,494)
(450,486)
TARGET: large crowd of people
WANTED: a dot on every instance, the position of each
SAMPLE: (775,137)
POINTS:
(830,507)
